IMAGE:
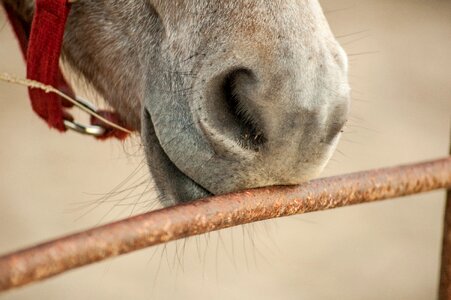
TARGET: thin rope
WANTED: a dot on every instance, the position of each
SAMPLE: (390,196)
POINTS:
(50,89)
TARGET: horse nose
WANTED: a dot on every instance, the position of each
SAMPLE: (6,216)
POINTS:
(231,115)
(279,118)
(232,122)
(248,113)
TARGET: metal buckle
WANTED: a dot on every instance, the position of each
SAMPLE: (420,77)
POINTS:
(91,130)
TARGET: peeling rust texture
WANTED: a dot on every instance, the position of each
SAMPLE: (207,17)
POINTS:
(157,227)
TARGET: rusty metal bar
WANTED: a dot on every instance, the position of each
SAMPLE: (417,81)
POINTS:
(445,280)
(445,277)
(153,228)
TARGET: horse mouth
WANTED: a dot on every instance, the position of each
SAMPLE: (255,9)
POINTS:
(173,186)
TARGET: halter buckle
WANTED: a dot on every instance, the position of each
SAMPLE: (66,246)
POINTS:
(91,130)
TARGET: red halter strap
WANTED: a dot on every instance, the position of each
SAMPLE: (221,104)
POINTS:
(44,50)
(41,45)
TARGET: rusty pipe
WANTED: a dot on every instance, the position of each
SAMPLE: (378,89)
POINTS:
(202,216)
(445,278)
(445,274)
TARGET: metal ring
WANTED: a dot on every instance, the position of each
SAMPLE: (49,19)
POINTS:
(91,130)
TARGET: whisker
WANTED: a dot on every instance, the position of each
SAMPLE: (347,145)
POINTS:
(139,198)
(363,53)
(355,40)
(339,9)
(102,200)
(106,198)
(351,34)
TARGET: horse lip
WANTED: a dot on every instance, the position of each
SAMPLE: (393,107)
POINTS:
(172,184)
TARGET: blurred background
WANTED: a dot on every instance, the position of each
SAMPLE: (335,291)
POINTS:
(400,56)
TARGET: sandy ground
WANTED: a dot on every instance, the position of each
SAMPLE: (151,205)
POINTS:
(390,250)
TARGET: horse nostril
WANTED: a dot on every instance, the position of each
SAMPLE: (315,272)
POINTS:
(242,109)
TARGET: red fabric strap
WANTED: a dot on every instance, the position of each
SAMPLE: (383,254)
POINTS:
(41,45)
(44,50)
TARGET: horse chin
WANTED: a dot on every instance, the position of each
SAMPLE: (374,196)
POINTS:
(173,186)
